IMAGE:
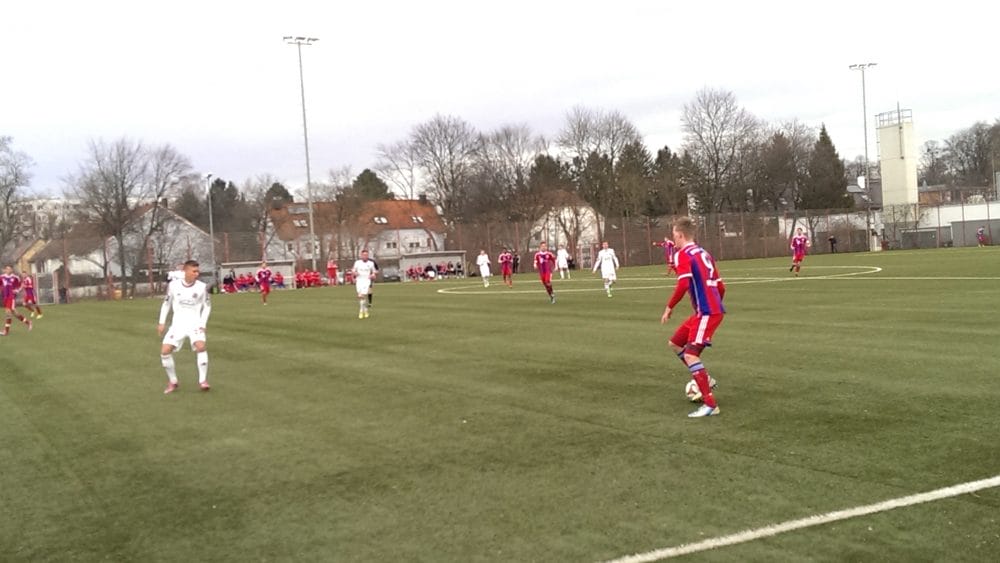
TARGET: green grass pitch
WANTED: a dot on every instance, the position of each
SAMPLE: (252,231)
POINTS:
(489,425)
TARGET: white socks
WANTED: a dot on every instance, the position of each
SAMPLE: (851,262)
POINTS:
(202,358)
(168,364)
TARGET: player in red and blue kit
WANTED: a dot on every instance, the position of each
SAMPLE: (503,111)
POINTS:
(9,284)
(264,281)
(506,260)
(30,301)
(545,263)
(669,253)
(697,277)
(799,244)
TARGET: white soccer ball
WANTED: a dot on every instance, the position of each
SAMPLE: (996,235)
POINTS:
(692,392)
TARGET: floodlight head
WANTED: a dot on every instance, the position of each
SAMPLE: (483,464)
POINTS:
(300,38)
(311,39)
(286,38)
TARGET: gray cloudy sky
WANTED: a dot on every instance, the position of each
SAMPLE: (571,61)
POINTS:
(214,78)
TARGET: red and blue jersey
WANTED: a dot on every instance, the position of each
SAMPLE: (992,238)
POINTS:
(696,269)
(799,244)
(28,283)
(264,276)
(669,249)
(10,284)
(545,262)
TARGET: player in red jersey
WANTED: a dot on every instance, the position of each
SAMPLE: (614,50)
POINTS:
(264,281)
(30,301)
(545,263)
(506,260)
(669,253)
(9,284)
(697,277)
(798,245)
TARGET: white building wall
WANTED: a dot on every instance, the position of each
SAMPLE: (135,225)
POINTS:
(898,159)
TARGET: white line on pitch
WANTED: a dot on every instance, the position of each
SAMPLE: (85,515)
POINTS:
(815,520)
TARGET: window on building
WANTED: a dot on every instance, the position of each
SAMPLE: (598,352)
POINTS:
(380,220)
(417,219)
(391,245)
(414,244)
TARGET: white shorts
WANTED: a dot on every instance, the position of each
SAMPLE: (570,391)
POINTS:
(176,335)
(484,271)
(562,264)
(363,285)
(609,274)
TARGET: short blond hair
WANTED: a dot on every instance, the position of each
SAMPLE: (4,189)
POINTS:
(687,226)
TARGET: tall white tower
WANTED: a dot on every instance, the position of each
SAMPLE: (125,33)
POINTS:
(897,157)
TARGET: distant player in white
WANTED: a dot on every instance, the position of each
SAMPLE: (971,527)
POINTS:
(483,261)
(189,300)
(364,272)
(608,263)
(562,262)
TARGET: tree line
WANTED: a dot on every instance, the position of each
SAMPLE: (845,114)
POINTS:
(729,160)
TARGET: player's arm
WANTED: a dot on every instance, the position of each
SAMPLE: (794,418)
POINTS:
(206,310)
(615,257)
(164,310)
(722,289)
(683,283)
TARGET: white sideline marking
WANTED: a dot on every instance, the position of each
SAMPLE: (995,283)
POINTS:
(815,520)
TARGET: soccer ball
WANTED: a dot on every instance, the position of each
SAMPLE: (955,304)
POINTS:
(692,392)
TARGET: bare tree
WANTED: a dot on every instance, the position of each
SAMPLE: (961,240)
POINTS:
(121,180)
(588,131)
(14,175)
(716,133)
(445,147)
(398,165)
(967,154)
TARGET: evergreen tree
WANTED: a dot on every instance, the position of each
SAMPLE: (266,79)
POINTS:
(826,186)
(369,187)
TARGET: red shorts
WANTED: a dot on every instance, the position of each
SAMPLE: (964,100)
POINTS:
(29,298)
(265,288)
(545,277)
(508,270)
(697,329)
(798,257)
(8,303)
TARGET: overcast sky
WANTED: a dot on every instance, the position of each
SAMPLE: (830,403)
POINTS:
(214,79)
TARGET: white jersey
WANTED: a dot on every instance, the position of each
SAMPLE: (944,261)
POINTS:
(363,269)
(191,304)
(562,259)
(483,261)
(606,261)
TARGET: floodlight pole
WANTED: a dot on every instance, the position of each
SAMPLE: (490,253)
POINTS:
(864,115)
(211,229)
(299,42)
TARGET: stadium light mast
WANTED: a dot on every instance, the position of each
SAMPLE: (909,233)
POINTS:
(211,227)
(864,115)
(299,42)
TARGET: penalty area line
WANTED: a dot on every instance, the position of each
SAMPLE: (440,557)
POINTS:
(815,520)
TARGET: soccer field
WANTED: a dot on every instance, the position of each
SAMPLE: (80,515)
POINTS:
(467,424)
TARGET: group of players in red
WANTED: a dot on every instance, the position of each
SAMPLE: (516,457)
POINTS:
(10,285)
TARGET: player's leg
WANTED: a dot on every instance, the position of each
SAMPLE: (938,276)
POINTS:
(167,361)
(201,357)
(371,297)
(701,336)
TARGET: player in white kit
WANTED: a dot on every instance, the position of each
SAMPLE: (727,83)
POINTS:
(483,261)
(364,272)
(562,262)
(188,298)
(607,261)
